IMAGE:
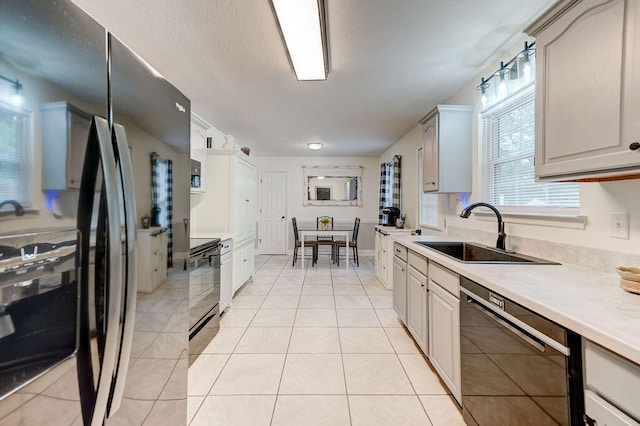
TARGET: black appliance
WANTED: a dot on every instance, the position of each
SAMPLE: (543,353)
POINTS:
(196,171)
(389,216)
(204,293)
(68,264)
(517,366)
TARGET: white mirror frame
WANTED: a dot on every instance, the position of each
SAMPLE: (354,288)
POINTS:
(335,171)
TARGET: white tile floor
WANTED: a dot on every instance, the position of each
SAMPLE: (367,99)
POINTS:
(320,346)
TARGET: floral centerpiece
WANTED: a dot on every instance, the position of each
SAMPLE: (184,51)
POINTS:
(325,222)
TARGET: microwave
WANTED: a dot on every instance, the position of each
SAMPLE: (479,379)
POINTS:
(196,170)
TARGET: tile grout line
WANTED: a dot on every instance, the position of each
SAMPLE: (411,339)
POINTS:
(286,355)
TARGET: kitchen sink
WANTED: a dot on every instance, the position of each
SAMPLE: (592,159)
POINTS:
(477,253)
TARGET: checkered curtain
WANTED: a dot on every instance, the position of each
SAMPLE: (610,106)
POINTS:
(385,189)
(397,193)
(169,214)
(390,194)
(154,179)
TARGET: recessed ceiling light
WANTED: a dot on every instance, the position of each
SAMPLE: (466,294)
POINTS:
(315,145)
(302,25)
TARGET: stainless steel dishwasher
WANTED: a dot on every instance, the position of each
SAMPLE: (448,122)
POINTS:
(518,368)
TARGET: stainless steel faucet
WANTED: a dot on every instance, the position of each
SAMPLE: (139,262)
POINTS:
(501,234)
(16,206)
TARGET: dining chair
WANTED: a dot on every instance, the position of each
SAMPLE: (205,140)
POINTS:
(325,240)
(311,244)
(353,244)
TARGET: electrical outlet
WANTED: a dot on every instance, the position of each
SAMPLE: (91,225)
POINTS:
(619,226)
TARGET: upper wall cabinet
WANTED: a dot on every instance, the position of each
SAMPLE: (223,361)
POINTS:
(65,130)
(199,129)
(447,149)
(588,90)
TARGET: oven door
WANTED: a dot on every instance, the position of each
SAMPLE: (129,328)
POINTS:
(204,303)
(511,372)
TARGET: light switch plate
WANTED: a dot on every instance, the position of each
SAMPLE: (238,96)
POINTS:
(619,226)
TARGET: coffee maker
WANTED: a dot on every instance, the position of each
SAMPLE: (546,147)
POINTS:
(389,216)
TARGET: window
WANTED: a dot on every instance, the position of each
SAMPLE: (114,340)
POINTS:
(507,160)
(428,204)
(15,155)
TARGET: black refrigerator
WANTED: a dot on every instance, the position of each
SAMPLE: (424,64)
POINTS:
(80,115)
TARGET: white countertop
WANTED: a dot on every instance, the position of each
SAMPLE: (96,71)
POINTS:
(588,302)
(222,235)
(392,229)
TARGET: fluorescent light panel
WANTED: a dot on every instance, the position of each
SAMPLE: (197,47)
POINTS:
(301,26)
(314,145)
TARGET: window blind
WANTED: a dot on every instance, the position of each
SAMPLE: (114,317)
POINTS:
(507,160)
(15,155)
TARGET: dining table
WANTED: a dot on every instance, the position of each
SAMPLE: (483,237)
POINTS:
(325,233)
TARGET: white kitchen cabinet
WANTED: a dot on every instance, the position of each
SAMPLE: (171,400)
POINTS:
(587,130)
(65,132)
(230,203)
(243,264)
(400,287)
(611,387)
(447,149)
(384,253)
(151,258)
(229,206)
(381,258)
(199,129)
(444,327)
(417,300)
(226,274)
(245,201)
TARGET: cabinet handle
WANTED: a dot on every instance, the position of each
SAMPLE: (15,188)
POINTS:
(430,183)
(634,146)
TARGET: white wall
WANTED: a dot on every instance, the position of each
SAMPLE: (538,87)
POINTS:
(597,200)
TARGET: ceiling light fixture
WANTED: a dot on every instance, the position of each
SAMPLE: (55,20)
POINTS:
(302,26)
(315,145)
(511,77)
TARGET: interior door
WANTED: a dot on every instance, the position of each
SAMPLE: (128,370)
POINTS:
(273,212)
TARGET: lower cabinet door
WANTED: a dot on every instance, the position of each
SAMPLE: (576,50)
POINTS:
(243,264)
(444,335)
(417,307)
(603,413)
(400,288)
(226,280)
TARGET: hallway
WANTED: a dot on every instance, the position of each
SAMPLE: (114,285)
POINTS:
(317,346)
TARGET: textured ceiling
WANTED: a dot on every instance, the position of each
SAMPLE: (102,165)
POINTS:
(390,63)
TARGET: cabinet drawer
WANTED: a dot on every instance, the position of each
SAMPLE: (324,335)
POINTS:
(447,279)
(604,413)
(418,262)
(400,251)
(612,377)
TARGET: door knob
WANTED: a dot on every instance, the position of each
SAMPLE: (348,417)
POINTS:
(634,146)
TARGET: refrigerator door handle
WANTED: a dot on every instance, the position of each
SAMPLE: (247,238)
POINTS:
(129,287)
(100,151)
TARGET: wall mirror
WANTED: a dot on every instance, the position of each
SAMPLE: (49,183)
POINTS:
(332,186)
